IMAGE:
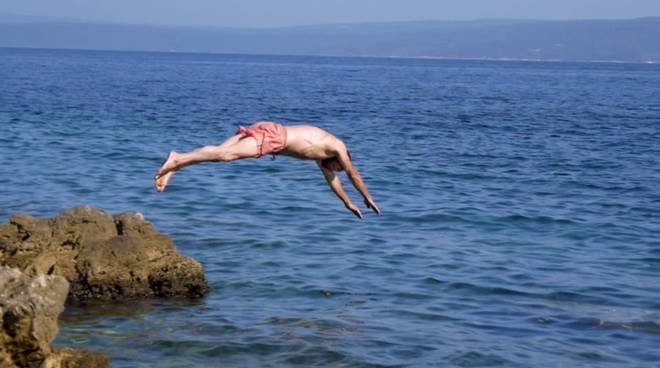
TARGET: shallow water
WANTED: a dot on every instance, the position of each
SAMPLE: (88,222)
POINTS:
(520,206)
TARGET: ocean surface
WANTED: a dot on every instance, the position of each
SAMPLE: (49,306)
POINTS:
(520,203)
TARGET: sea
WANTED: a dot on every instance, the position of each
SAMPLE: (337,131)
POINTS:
(520,202)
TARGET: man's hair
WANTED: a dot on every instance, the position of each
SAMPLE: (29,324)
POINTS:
(328,161)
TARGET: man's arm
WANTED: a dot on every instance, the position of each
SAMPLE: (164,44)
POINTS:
(355,178)
(335,185)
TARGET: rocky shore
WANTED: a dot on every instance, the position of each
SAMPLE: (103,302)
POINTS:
(29,307)
(102,256)
(80,254)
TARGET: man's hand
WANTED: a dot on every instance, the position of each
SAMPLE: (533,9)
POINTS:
(371,204)
(353,208)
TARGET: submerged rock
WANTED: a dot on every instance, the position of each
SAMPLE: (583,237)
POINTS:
(102,256)
(29,307)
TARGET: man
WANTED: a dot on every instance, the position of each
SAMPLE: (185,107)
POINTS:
(301,141)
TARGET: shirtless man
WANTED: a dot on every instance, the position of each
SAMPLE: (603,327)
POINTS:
(299,141)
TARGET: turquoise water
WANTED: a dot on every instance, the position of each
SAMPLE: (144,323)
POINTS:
(520,206)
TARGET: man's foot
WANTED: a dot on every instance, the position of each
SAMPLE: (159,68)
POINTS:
(161,181)
(167,169)
(170,163)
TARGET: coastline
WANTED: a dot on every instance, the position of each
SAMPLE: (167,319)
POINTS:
(448,58)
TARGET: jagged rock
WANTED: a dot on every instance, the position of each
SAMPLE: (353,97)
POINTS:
(102,256)
(29,307)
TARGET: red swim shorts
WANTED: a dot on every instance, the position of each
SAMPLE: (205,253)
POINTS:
(271,137)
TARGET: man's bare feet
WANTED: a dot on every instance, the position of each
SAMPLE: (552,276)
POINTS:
(169,164)
(161,181)
(167,169)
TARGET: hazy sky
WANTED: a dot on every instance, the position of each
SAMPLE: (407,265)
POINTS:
(268,13)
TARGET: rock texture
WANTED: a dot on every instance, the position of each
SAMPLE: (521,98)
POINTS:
(29,307)
(102,256)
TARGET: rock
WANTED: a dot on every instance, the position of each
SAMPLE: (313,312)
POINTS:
(75,358)
(102,256)
(29,307)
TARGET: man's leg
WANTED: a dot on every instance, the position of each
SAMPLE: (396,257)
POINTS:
(234,148)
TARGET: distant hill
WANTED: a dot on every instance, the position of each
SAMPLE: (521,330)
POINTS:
(634,40)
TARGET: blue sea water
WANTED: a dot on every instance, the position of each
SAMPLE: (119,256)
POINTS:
(521,206)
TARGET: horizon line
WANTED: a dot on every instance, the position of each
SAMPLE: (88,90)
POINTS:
(439,58)
(58,19)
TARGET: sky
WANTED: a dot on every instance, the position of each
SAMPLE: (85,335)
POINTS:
(280,13)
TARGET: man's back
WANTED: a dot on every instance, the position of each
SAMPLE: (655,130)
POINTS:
(311,143)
